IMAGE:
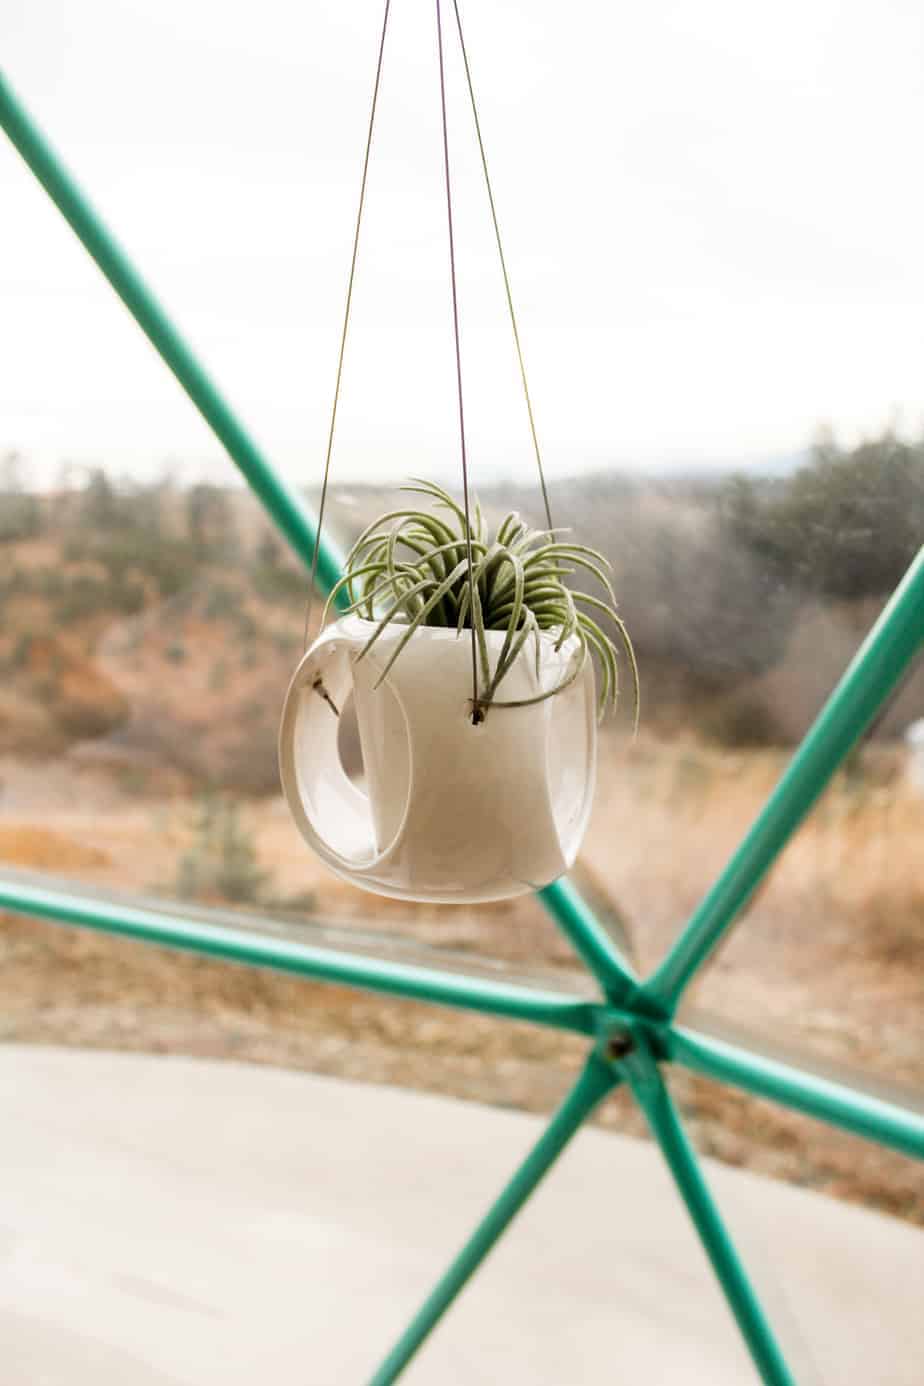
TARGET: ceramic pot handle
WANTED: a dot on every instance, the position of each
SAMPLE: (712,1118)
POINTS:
(331,812)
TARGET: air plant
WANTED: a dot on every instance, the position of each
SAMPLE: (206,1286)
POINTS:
(417,573)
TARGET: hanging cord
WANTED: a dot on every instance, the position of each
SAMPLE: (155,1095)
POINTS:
(477,706)
(477,712)
(503,264)
(343,337)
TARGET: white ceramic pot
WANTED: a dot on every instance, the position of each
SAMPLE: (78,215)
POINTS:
(449,812)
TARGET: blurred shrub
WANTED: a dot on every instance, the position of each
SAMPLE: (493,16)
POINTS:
(20,517)
(691,594)
(250,764)
(76,598)
(743,720)
(713,578)
(218,676)
(302,904)
(19,656)
(127,596)
(209,520)
(845,526)
(20,513)
(269,551)
(125,529)
(282,583)
(222,601)
(222,862)
(84,719)
(104,506)
(246,627)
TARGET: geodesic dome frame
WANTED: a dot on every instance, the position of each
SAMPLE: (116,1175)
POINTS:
(631,1029)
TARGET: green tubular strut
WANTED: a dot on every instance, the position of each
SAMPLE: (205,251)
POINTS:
(595,1081)
(896,638)
(236,945)
(865,1115)
(644,1076)
(590,941)
(284,506)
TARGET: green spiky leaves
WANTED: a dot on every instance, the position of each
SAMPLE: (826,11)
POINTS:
(412,567)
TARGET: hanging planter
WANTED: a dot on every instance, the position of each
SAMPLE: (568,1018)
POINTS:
(467,662)
(472,791)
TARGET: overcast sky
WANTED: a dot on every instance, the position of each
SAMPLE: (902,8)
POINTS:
(713,216)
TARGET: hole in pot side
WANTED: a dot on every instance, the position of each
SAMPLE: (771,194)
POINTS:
(349,746)
(384,751)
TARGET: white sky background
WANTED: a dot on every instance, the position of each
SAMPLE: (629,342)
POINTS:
(713,215)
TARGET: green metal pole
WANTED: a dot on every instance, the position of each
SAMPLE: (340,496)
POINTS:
(595,1081)
(289,512)
(893,642)
(398,979)
(291,515)
(812,1093)
(590,940)
(648,1086)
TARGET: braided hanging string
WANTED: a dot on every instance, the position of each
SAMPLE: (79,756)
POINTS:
(477,714)
(346,323)
(503,265)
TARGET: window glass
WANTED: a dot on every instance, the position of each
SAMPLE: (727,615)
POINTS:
(724,352)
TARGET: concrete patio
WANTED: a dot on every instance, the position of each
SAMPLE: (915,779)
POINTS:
(174,1222)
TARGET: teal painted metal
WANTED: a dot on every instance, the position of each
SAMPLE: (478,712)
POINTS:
(595,1081)
(590,940)
(640,1011)
(862,1113)
(291,515)
(644,1076)
(886,653)
(399,979)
